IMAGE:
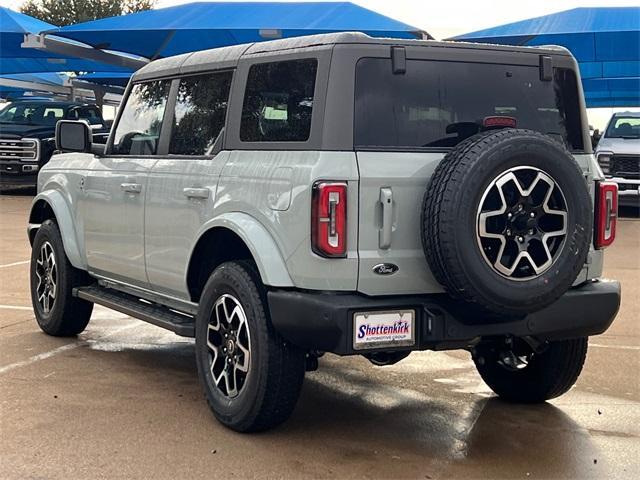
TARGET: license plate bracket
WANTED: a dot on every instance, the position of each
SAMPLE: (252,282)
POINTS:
(384,329)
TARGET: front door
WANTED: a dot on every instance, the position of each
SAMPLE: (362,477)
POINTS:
(115,188)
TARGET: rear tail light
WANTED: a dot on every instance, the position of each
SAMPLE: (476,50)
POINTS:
(329,219)
(606,214)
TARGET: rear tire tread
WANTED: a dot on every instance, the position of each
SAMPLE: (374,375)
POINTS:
(549,375)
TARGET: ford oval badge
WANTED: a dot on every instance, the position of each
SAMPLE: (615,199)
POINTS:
(385,269)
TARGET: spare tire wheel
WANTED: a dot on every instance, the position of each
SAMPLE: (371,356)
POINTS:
(507,221)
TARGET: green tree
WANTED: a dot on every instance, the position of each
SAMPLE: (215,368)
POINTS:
(68,12)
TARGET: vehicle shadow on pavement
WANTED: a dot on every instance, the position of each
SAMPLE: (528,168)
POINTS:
(472,436)
(510,440)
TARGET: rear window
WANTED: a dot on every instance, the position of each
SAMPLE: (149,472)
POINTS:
(438,104)
(278,101)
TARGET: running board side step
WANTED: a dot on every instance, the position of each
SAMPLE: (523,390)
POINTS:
(161,316)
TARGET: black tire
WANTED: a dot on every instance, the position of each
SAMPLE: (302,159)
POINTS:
(270,390)
(548,374)
(450,218)
(67,315)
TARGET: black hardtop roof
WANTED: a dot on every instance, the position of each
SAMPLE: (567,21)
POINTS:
(227,57)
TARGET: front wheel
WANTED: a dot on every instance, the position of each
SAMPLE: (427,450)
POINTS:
(519,375)
(250,375)
(53,279)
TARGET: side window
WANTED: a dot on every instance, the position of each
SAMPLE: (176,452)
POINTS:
(201,107)
(139,127)
(89,114)
(278,101)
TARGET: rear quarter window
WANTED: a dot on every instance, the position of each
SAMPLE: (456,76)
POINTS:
(438,104)
(278,101)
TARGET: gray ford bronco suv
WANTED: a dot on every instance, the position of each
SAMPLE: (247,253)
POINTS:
(337,193)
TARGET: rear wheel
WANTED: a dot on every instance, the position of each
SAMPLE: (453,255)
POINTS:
(250,375)
(518,375)
(53,279)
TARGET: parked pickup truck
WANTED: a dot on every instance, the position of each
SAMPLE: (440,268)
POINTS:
(337,193)
(618,153)
(27,131)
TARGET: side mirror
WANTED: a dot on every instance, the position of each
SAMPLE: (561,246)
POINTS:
(73,136)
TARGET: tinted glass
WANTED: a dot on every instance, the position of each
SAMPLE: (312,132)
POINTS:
(200,112)
(139,126)
(278,102)
(51,115)
(32,114)
(439,104)
(90,114)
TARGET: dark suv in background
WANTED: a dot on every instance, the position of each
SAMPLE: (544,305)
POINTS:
(27,131)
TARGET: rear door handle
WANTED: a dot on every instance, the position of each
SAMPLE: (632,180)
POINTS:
(384,235)
(193,192)
(131,187)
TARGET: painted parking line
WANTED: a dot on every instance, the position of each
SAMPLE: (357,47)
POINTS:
(615,347)
(39,357)
(15,307)
(7,265)
(63,348)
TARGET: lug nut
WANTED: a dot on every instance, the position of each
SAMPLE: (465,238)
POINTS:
(509,215)
(531,232)
(521,239)
(508,233)
(532,214)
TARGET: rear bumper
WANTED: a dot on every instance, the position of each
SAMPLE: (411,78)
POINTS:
(324,321)
(628,190)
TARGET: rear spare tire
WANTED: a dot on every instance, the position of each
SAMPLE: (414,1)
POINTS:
(507,221)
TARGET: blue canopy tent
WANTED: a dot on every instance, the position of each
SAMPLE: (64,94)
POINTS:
(15,59)
(199,26)
(604,40)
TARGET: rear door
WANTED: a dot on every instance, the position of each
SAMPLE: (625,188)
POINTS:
(182,184)
(405,123)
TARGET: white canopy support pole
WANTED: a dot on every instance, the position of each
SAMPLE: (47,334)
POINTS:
(99,94)
(35,86)
(55,45)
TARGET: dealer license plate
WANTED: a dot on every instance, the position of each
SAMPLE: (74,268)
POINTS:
(383,329)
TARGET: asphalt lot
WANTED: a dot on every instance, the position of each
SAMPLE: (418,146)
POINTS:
(122,400)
